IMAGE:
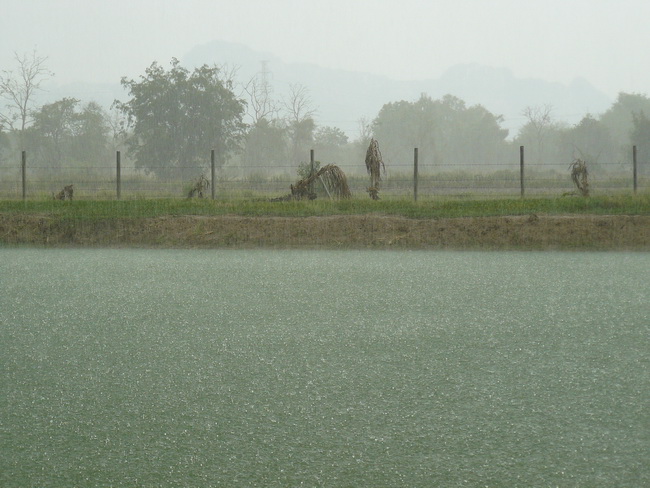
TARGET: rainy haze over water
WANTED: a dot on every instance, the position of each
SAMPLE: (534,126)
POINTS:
(323,368)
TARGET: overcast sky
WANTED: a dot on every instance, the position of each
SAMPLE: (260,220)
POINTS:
(603,41)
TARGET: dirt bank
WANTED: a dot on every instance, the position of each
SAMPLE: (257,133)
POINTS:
(356,232)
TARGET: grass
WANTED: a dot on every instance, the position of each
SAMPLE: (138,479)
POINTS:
(430,208)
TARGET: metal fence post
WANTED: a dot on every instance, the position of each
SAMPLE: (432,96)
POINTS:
(212,182)
(23,170)
(311,171)
(634,181)
(521,170)
(415,174)
(118,167)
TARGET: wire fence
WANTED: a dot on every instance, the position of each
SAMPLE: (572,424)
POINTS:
(401,180)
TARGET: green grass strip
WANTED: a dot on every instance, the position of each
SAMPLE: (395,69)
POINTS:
(432,208)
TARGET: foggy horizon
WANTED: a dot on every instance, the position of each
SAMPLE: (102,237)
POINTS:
(565,62)
(602,42)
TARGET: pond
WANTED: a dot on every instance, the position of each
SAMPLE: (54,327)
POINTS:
(324,368)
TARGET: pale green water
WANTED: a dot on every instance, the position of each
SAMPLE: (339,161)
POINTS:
(299,368)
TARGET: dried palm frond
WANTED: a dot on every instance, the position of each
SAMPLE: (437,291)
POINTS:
(580,176)
(334,181)
(301,190)
(374,165)
(331,176)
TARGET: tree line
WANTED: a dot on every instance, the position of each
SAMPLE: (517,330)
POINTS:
(172,117)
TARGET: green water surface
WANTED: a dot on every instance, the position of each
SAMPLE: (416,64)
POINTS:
(323,368)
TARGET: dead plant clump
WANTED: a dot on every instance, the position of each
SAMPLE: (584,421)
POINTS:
(374,165)
(335,182)
(580,176)
(65,194)
(331,177)
(201,185)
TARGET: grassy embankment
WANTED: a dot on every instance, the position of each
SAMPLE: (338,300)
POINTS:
(598,223)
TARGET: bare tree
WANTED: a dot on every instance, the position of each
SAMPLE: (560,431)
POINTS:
(228,76)
(18,90)
(540,121)
(300,120)
(365,131)
(117,124)
(299,104)
(260,94)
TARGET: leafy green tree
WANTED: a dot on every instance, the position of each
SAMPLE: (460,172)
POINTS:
(640,137)
(330,144)
(550,144)
(619,118)
(63,135)
(4,148)
(471,135)
(266,148)
(301,134)
(401,126)
(330,136)
(640,134)
(177,117)
(91,144)
(53,131)
(446,132)
(591,141)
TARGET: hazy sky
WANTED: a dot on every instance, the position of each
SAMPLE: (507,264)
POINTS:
(604,41)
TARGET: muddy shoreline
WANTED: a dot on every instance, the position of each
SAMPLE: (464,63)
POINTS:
(529,232)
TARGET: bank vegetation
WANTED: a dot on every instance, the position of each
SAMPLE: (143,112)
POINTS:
(574,223)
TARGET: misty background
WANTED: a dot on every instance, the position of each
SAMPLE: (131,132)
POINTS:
(467,82)
(341,98)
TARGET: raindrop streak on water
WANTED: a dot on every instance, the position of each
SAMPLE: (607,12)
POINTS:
(262,368)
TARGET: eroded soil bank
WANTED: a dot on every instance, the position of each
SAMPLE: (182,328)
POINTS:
(534,232)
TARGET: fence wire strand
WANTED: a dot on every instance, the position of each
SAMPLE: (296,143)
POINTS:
(263,181)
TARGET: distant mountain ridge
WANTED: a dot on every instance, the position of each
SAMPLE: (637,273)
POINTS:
(342,98)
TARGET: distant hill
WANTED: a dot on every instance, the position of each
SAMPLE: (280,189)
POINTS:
(342,98)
